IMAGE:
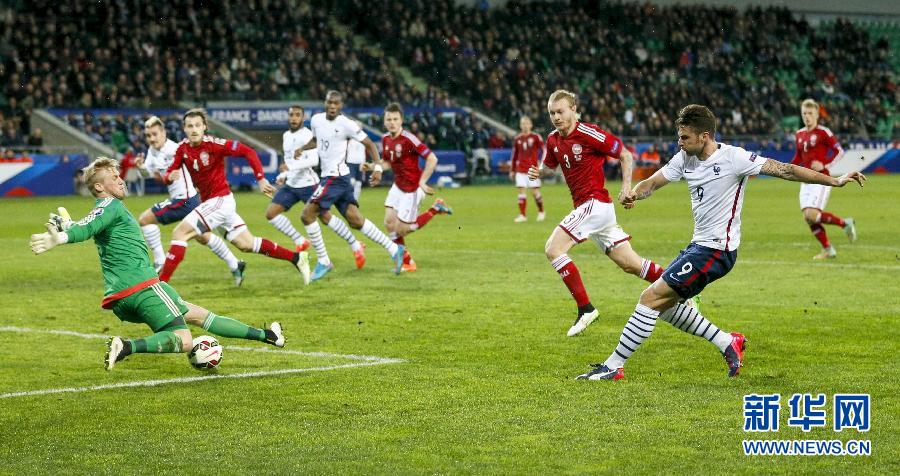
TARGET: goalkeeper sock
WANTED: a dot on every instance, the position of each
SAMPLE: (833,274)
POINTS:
(160,343)
(228,327)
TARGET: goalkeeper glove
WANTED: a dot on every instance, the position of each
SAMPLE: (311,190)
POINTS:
(41,242)
(62,221)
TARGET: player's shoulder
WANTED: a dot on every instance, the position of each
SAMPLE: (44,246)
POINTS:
(410,137)
(592,130)
(824,129)
(317,118)
(554,134)
(799,131)
(170,147)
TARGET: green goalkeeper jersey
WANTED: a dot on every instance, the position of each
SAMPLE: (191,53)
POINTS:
(124,259)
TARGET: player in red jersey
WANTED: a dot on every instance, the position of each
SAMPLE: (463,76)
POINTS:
(400,151)
(580,149)
(526,150)
(205,159)
(817,147)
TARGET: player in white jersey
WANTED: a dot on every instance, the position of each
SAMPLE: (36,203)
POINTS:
(356,156)
(299,181)
(332,134)
(182,199)
(717,176)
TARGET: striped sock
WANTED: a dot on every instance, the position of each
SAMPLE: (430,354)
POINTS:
(689,319)
(218,246)
(637,329)
(650,271)
(314,232)
(227,327)
(338,226)
(373,233)
(272,250)
(283,224)
(160,343)
(572,279)
(154,240)
(523,202)
(177,249)
(831,219)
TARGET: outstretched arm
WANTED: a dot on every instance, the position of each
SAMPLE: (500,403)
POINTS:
(643,189)
(794,173)
(627,160)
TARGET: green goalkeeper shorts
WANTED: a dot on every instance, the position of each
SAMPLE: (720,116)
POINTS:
(157,306)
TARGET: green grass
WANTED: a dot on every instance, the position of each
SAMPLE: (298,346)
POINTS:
(486,386)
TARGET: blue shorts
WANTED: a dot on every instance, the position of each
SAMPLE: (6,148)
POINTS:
(356,172)
(287,197)
(697,266)
(335,191)
(172,210)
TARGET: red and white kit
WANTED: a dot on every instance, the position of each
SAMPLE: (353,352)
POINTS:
(206,165)
(819,145)
(525,154)
(581,155)
(403,153)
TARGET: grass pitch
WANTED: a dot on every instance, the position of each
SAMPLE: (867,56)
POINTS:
(486,379)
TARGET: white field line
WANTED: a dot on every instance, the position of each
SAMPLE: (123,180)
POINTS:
(364,361)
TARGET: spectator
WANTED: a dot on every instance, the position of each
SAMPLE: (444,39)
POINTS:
(650,157)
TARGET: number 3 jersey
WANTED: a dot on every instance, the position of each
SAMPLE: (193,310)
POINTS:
(581,155)
(717,186)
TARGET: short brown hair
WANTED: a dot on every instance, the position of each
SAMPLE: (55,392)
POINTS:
(393,107)
(90,172)
(196,112)
(697,117)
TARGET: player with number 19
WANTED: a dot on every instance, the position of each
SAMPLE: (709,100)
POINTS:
(580,149)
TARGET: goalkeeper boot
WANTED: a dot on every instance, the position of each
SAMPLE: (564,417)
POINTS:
(734,354)
(602,372)
(114,352)
(274,335)
(582,322)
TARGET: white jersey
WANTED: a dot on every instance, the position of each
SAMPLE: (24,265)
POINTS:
(332,141)
(158,161)
(717,186)
(356,152)
(300,171)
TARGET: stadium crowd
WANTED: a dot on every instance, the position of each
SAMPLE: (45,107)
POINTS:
(632,74)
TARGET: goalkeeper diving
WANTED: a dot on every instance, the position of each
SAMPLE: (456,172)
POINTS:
(133,290)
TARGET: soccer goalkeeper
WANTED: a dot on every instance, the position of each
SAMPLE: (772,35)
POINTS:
(132,289)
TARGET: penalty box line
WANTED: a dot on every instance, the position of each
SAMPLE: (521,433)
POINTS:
(362,361)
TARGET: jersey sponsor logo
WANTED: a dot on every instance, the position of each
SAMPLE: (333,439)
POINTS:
(615,147)
(753,157)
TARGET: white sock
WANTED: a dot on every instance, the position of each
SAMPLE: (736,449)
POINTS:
(314,232)
(221,249)
(357,188)
(373,233)
(283,224)
(154,240)
(688,319)
(638,328)
(342,230)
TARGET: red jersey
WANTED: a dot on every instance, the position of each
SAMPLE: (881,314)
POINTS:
(581,155)
(206,164)
(403,152)
(526,152)
(815,145)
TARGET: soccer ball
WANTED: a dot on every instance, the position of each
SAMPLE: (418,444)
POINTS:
(206,353)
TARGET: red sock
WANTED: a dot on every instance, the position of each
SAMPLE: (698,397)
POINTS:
(272,250)
(539,200)
(820,234)
(650,271)
(569,274)
(400,241)
(424,218)
(176,253)
(406,257)
(522,203)
(829,219)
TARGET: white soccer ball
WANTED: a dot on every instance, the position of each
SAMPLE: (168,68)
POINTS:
(206,353)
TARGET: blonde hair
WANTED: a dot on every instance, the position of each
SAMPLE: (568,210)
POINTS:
(809,103)
(154,121)
(568,96)
(90,172)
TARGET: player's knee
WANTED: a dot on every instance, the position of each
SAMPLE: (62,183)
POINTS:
(811,217)
(270,213)
(146,218)
(630,268)
(551,251)
(245,245)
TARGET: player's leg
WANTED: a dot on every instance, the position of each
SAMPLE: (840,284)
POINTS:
(358,221)
(221,249)
(150,229)
(310,216)
(813,198)
(159,307)
(521,183)
(557,247)
(397,231)
(184,232)
(276,214)
(227,327)
(629,261)
(341,229)
(538,199)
